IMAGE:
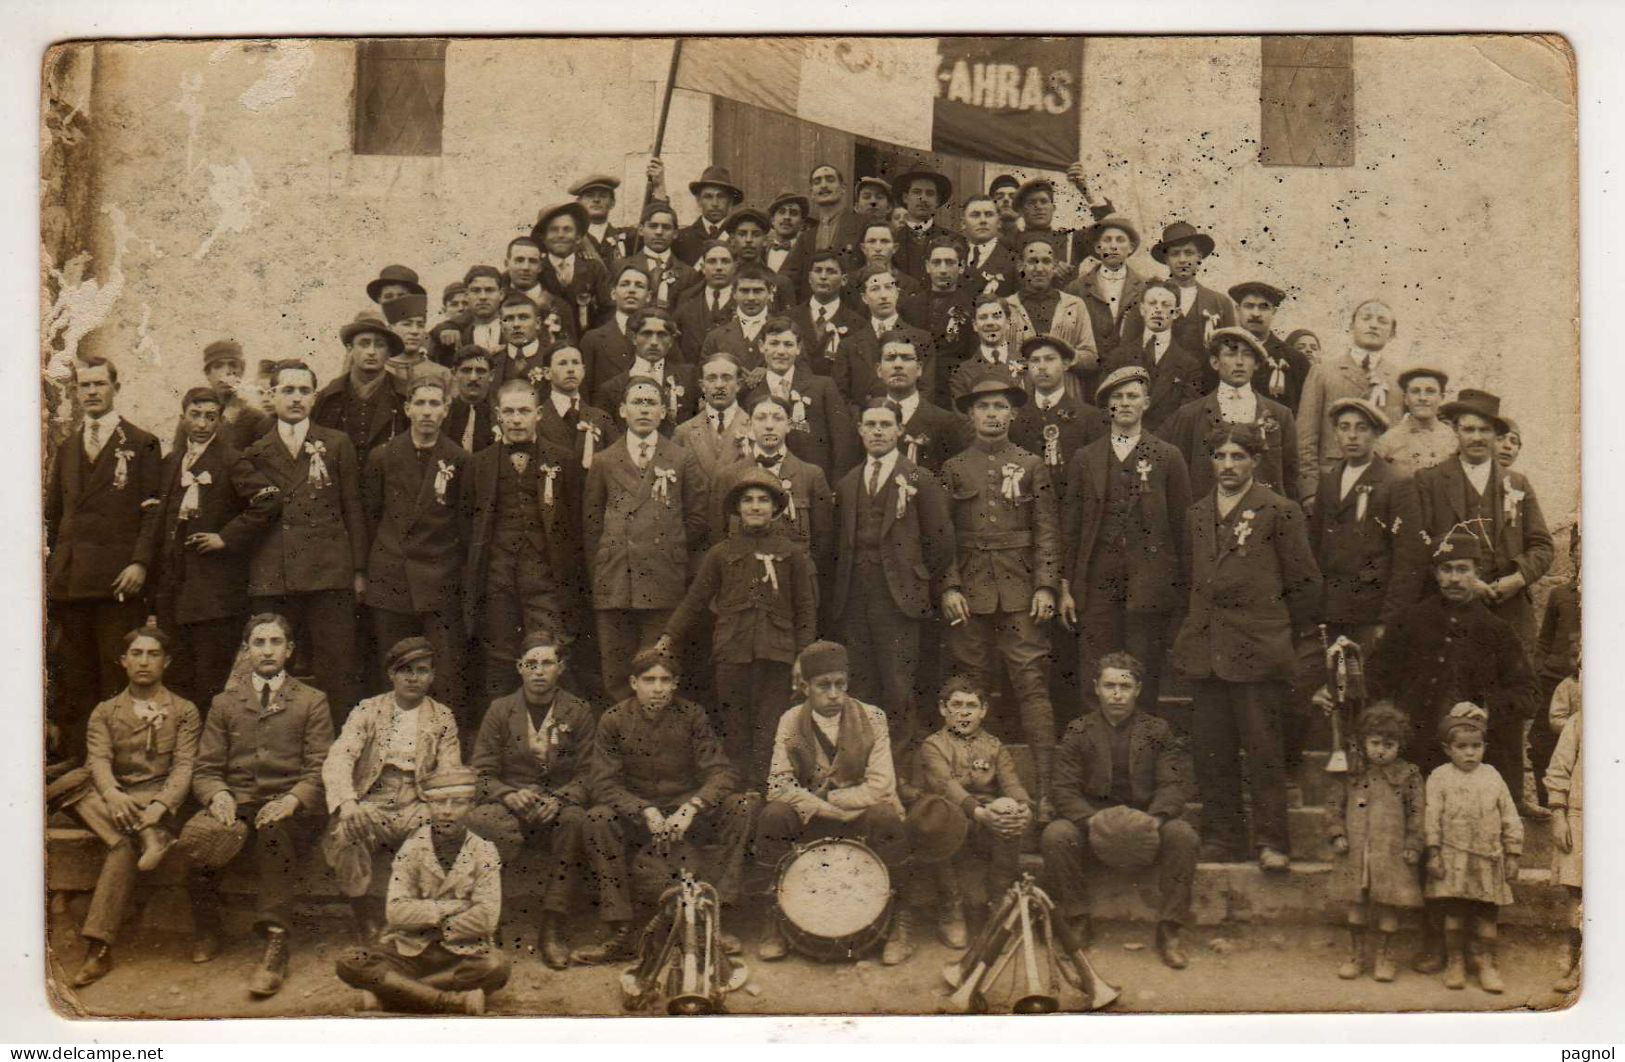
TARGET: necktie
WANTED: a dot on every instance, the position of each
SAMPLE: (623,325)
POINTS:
(95,443)
(265,696)
(468,431)
(716,418)
(643,454)
(716,300)
(823,319)
(1151,348)
(874,477)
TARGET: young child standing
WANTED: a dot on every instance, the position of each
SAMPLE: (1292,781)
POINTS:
(1474,838)
(1376,833)
(1564,780)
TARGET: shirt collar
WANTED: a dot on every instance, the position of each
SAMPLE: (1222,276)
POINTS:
(562,403)
(751,322)
(883,326)
(909,405)
(1049,401)
(727,415)
(293,433)
(105,423)
(275,681)
(559,263)
(527,351)
(1228,393)
(887,463)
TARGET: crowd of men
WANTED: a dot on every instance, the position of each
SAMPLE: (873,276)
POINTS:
(737,531)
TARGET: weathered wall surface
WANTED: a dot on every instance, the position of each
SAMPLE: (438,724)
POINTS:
(231,203)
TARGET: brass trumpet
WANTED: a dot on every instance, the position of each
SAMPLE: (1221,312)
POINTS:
(1024,915)
(680,952)
(1345,681)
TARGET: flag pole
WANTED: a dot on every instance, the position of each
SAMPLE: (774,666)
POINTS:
(665,101)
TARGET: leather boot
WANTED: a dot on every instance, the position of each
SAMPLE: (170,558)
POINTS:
(397,992)
(367,920)
(951,911)
(1430,957)
(1355,965)
(273,969)
(550,940)
(1169,947)
(205,943)
(771,946)
(1455,963)
(155,844)
(98,961)
(1382,967)
(899,948)
(1489,977)
(621,944)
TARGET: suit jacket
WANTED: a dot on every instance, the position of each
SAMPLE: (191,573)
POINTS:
(690,241)
(319,541)
(997,275)
(506,761)
(1276,469)
(1330,379)
(486,430)
(1153,552)
(931,436)
(695,319)
(1007,548)
(1293,371)
(1175,380)
(615,246)
(560,526)
(1161,773)
(845,238)
(146,760)
(379,420)
(97,520)
(1075,425)
(606,352)
(356,759)
(714,452)
(419,538)
(1212,309)
(682,397)
(913,248)
(420,885)
(258,756)
(916,537)
(857,358)
(565,433)
(729,337)
(666,283)
(1253,582)
(792,266)
(946,316)
(1106,325)
(642,528)
(1437,654)
(819,350)
(1070,323)
(585,297)
(529,367)
(237,505)
(824,435)
(813,504)
(1355,543)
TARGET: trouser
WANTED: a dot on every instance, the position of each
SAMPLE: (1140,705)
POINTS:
(1069,857)
(1542,739)
(324,634)
(372,969)
(444,629)
(750,699)
(274,851)
(622,632)
(986,865)
(351,857)
(608,835)
(884,650)
(1230,717)
(980,644)
(562,839)
(84,668)
(115,885)
(521,595)
(1301,721)
(204,653)
(879,826)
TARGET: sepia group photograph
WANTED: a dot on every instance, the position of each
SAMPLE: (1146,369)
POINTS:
(872,525)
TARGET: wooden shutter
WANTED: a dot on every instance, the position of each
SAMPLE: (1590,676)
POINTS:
(1306,101)
(400,95)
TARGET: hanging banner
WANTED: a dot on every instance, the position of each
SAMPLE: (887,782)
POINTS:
(1009,99)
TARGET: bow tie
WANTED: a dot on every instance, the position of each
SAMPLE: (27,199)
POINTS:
(769,462)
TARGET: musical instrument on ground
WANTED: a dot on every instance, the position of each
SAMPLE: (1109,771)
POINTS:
(1024,920)
(834,898)
(681,956)
(1345,681)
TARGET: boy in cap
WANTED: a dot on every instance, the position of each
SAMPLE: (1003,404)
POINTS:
(1183,249)
(873,198)
(716,196)
(241,419)
(579,284)
(1060,419)
(1123,523)
(407,317)
(1111,290)
(1284,370)
(470,420)
(1122,779)
(1176,374)
(601,240)
(375,773)
(259,773)
(658,776)
(1003,585)
(531,757)
(139,752)
(820,424)
(438,955)
(363,403)
(669,276)
(1361,373)
(832,776)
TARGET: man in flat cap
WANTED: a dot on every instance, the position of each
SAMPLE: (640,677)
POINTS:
(825,319)
(1183,249)
(716,196)
(1123,525)
(392,282)
(363,403)
(921,193)
(1040,307)
(375,772)
(470,420)
(1282,375)
(579,284)
(258,780)
(1006,580)
(311,563)
(1176,373)
(241,419)
(1362,372)
(1061,418)
(1420,439)
(1235,355)
(1112,288)
(439,954)
(1002,190)
(873,199)
(601,240)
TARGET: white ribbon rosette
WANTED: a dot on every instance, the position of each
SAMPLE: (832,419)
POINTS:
(1011,487)
(1144,467)
(121,470)
(443,476)
(770,573)
(905,491)
(318,468)
(589,441)
(665,480)
(1511,501)
(1244,528)
(192,499)
(549,474)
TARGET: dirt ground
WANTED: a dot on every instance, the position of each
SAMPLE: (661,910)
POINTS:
(1233,968)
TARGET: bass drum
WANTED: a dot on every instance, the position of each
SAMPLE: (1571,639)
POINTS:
(834,899)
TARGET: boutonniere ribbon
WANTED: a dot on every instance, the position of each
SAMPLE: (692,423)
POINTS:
(1512,502)
(798,412)
(1362,498)
(589,440)
(915,444)
(665,480)
(1011,486)
(318,468)
(536,376)
(121,470)
(905,491)
(1244,529)
(1052,445)
(770,573)
(191,499)
(444,473)
(549,474)
(789,501)
(1144,468)
(674,395)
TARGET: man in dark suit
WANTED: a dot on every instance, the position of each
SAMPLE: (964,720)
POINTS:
(741,333)
(1201,309)
(833,224)
(311,564)
(858,353)
(703,306)
(669,276)
(716,195)
(567,421)
(606,351)
(1123,525)
(877,248)
(1055,424)
(599,239)
(363,404)
(214,508)
(824,319)
(930,434)
(1282,375)
(1176,373)
(521,357)
(524,556)
(483,324)
(921,193)
(820,426)
(895,543)
(945,312)
(747,231)
(578,283)
(1111,290)
(789,246)
(101,531)
(412,487)
(989,263)
(1253,587)
(470,422)
(654,335)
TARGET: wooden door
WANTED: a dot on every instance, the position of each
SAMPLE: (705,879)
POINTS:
(768,152)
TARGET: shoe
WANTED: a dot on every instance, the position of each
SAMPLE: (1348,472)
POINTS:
(621,944)
(1382,966)
(1273,862)
(899,948)
(1169,948)
(1217,852)
(771,947)
(273,969)
(1355,964)
(1455,967)
(550,941)
(155,844)
(1489,978)
(1534,811)
(98,961)
(730,943)
(951,926)
(1430,957)
(473,1000)
(206,945)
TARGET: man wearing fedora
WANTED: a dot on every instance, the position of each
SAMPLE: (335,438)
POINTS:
(1123,526)
(258,780)
(716,196)
(788,245)
(1282,375)
(669,276)
(363,403)
(1420,439)
(579,284)
(1122,779)
(1006,578)
(241,419)
(922,193)
(600,239)
(1039,307)
(1235,355)
(1362,372)
(1183,249)
(392,282)
(989,259)
(1112,288)
(1176,373)
(311,563)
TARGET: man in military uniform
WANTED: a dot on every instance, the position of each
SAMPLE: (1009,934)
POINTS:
(1005,580)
